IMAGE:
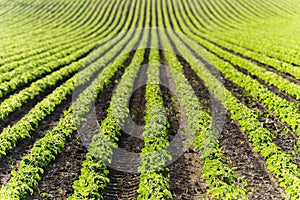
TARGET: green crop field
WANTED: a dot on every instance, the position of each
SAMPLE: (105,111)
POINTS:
(150,99)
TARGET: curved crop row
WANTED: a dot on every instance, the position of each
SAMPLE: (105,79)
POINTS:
(154,178)
(93,178)
(215,169)
(29,122)
(285,110)
(32,165)
(77,44)
(31,75)
(278,162)
(50,39)
(94,172)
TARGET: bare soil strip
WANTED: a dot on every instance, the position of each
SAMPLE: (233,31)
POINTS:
(185,172)
(62,172)
(58,178)
(124,179)
(186,181)
(21,112)
(284,136)
(122,185)
(12,160)
(249,164)
(236,147)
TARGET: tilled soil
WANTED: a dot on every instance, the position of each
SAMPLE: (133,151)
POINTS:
(284,137)
(59,176)
(123,174)
(185,171)
(249,165)
(186,181)
(12,160)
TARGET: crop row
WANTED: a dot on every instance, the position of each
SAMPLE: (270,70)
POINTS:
(90,28)
(275,63)
(241,37)
(16,101)
(281,108)
(90,36)
(49,103)
(62,50)
(94,171)
(31,75)
(63,13)
(278,162)
(155,177)
(43,44)
(267,76)
(48,147)
(29,122)
(220,178)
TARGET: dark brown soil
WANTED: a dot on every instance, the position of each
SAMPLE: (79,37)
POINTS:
(14,117)
(61,173)
(249,165)
(186,181)
(123,175)
(12,160)
(59,176)
(172,107)
(124,183)
(185,170)
(137,103)
(284,136)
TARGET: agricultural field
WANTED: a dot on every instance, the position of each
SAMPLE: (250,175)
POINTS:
(150,99)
